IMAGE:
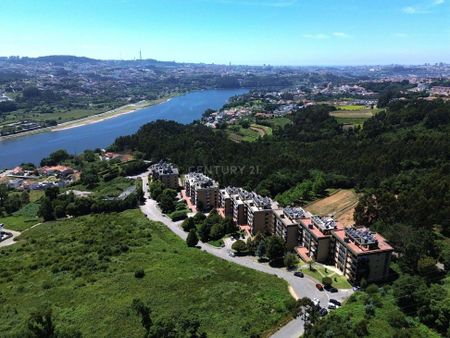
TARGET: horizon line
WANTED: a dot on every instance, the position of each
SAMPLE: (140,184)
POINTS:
(230,63)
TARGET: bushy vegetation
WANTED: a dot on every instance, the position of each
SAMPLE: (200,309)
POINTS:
(84,270)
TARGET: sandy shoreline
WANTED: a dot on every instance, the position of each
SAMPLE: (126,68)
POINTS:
(127,109)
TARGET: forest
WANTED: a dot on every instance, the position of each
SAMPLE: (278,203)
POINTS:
(398,161)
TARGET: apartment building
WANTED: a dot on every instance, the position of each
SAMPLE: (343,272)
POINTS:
(202,190)
(360,253)
(314,238)
(165,172)
(226,200)
(285,224)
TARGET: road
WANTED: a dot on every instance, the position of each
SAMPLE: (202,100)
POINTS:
(10,240)
(303,287)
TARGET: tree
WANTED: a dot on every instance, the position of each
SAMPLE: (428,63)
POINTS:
(199,217)
(156,188)
(192,239)
(261,250)
(40,324)
(426,266)
(52,193)
(204,230)
(327,281)
(230,226)
(144,311)
(188,224)
(46,210)
(167,200)
(217,231)
(275,248)
(239,246)
(290,260)
(311,264)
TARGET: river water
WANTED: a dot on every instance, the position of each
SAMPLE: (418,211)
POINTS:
(183,109)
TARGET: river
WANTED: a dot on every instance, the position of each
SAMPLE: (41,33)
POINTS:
(184,109)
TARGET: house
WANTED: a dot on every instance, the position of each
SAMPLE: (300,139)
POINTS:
(165,172)
(58,170)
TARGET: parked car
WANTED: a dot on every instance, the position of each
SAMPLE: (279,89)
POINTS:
(332,289)
(335,302)
(299,274)
(231,254)
(356,288)
(319,287)
(323,312)
(331,306)
(316,301)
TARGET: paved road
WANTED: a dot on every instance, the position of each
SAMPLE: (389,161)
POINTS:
(10,240)
(303,287)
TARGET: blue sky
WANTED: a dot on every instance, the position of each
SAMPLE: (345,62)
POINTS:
(277,32)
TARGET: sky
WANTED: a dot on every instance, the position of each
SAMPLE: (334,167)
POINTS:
(252,32)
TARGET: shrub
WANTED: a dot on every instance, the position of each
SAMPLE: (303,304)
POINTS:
(192,239)
(239,246)
(327,281)
(178,215)
(139,273)
(290,260)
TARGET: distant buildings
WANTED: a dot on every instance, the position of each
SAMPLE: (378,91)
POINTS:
(167,173)
(440,91)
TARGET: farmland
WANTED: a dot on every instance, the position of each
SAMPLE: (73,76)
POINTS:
(340,203)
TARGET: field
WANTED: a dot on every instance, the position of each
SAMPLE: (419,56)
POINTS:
(349,115)
(84,268)
(237,133)
(340,203)
(109,189)
(279,122)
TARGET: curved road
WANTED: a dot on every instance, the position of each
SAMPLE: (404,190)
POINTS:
(302,287)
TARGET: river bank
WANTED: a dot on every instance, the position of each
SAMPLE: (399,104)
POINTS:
(123,110)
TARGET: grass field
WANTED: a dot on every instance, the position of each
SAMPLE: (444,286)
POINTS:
(279,122)
(109,189)
(319,272)
(341,203)
(84,269)
(238,134)
(23,218)
(352,116)
(351,107)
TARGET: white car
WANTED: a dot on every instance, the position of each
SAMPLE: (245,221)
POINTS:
(231,254)
(332,306)
(316,301)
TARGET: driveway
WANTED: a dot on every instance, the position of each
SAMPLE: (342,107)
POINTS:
(10,240)
(303,287)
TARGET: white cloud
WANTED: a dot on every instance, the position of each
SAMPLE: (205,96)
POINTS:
(423,8)
(341,35)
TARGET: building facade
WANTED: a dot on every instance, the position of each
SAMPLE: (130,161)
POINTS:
(202,190)
(167,173)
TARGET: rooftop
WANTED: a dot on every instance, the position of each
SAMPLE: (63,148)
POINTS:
(361,240)
(164,168)
(201,180)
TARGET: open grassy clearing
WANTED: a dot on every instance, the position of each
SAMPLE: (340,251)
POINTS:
(279,122)
(262,130)
(319,271)
(340,203)
(23,218)
(84,269)
(351,107)
(353,116)
(108,189)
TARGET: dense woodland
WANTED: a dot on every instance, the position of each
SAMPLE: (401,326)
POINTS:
(399,161)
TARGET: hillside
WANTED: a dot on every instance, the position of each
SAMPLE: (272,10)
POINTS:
(84,269)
